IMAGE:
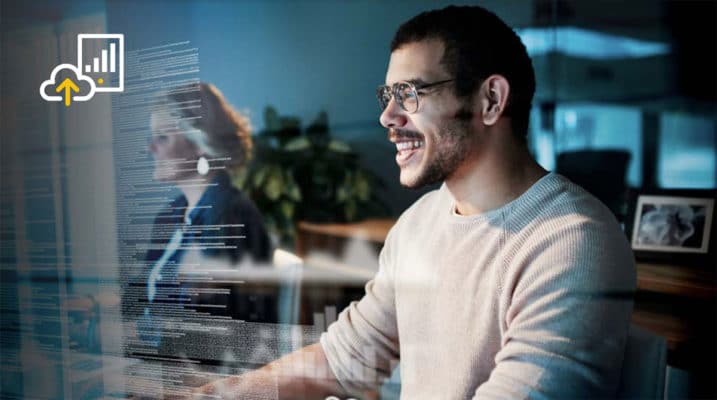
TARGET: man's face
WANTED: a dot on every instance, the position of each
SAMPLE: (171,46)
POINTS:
(430,143)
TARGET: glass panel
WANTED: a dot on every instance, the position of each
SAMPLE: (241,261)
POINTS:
(687,152)
(600,127)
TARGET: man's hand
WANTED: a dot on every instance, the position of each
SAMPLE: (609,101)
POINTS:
(259,384)
(303,374)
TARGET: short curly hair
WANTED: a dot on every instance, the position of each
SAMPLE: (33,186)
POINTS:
(221,131)
(477,44)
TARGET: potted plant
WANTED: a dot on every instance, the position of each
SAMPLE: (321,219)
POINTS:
(306,175)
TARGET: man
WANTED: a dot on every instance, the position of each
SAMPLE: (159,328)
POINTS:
(508,282)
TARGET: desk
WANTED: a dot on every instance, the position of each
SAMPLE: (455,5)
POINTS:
(698,283)
(318,273)
(680,304)
(332,237)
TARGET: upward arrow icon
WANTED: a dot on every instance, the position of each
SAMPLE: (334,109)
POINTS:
(67,85)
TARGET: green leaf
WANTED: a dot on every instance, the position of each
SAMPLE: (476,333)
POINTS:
(350,211)
(297,144)
(341,194)
(339,146)
(287,209)
(240,178)
(274,184)
(295,192)
(259,175)
(362,187)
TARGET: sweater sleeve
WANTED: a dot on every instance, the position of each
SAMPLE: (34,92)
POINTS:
(362,345)
(568,305)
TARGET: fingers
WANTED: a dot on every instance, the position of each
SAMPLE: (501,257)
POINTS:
(251,385)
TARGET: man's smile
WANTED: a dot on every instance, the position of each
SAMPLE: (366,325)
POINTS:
(406,150)
(408,143)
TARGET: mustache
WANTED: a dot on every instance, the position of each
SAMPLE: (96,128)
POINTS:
(396,134)
(464,114)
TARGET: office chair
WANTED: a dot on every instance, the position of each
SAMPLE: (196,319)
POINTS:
(644,366)
(600,172)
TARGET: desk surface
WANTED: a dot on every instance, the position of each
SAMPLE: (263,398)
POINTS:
(374,230)
(316,271)
(676,280)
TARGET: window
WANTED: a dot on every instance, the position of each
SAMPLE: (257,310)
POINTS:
(590,126)
(687,152)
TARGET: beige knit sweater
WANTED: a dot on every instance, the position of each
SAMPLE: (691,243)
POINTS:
(531,300)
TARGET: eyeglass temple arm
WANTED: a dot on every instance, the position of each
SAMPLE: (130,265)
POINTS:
(433,84)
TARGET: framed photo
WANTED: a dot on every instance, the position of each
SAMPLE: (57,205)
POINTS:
(673,226)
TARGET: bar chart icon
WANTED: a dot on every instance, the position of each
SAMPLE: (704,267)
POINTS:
(100,56)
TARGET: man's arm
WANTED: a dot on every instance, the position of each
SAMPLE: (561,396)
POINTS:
(358,350)
(303,374)
(568,318)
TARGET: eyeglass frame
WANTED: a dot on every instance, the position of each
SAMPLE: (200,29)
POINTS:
(413,86)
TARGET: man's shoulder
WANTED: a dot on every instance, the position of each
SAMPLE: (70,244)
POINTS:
(572,232)
(560,213)
(567,217)
(560,199)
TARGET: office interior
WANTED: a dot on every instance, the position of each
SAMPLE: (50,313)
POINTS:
(625,106)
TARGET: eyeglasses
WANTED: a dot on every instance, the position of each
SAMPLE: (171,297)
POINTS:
(405,93)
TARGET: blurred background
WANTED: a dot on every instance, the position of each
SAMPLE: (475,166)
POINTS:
(625,106)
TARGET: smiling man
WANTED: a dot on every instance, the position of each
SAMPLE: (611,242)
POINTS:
(508,282)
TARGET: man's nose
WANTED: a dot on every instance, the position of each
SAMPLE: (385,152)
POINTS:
(393,115)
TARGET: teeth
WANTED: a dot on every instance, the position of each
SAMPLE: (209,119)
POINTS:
(401,146)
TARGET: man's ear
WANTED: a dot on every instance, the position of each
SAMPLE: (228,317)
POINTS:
(493,97)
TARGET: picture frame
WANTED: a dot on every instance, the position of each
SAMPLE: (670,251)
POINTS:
(673,226)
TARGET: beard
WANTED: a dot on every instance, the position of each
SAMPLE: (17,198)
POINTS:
(451,146)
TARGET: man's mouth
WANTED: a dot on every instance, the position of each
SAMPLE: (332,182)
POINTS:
(407,142)
(406,149)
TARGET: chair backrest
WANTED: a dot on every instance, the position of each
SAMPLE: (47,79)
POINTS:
(644,366)
(600,172)
(289,301)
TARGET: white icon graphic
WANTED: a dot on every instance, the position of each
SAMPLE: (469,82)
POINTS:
(67,86)
(108,60)
(106,51)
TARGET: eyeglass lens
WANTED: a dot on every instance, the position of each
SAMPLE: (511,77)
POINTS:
(404,93)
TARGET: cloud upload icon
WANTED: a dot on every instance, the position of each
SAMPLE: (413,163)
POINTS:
(68,85)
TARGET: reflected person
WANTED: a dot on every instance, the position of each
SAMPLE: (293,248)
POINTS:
(197,137)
